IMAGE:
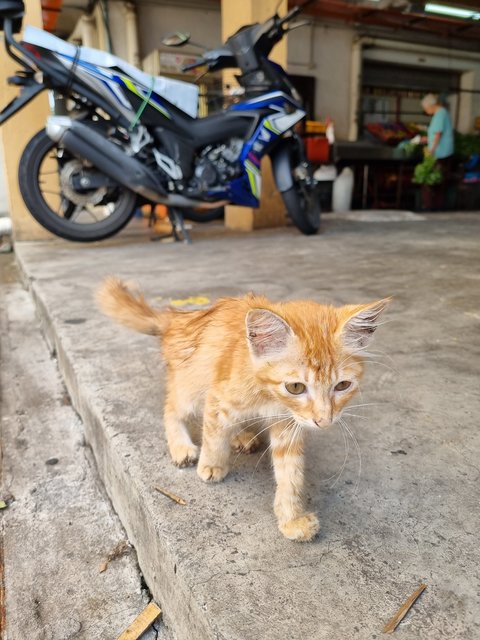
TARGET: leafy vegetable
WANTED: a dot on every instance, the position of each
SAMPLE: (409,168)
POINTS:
(428,172)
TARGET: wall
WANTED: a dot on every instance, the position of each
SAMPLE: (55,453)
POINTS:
(3,189)
(329,53)
(16,132)
(156,21)
(325,52)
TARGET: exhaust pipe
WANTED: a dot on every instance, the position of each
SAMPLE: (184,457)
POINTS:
(106,156)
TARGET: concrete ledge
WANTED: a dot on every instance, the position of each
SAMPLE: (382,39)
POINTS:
(218,566)
(60,525)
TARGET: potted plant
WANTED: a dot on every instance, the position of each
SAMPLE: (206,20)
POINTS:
(427,174)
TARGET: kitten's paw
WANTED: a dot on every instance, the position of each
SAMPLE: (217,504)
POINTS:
(211,474)
(302,529)
(245,442)
(184,455)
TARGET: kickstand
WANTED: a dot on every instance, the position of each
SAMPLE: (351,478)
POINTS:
(179,231)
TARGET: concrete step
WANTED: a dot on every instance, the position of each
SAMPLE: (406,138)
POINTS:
(59,526)
(400,516)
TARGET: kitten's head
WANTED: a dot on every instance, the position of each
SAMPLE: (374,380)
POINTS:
(309,356)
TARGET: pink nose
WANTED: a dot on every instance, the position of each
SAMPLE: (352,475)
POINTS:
(322,422)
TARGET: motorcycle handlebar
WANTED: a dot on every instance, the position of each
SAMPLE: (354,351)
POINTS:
(274,35)
(294,12)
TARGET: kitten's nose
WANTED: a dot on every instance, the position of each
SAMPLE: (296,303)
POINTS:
(322,422)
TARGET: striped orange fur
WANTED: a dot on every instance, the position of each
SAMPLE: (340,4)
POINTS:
(294,364)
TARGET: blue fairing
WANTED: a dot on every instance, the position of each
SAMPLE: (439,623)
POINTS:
(275,98)
(245,190)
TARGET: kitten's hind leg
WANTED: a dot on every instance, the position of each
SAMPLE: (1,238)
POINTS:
(184,453)
(247,441)
(288,463)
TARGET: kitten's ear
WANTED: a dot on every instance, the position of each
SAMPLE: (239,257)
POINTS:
(359,322)
(267,333)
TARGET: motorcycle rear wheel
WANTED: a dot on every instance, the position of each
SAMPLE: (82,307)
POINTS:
(80,216)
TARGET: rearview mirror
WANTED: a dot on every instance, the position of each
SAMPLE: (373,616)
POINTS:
(177,39)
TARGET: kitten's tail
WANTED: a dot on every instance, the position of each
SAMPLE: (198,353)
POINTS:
(117,301)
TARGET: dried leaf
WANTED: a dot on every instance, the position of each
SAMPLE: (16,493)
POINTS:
(192,300)
(121,549)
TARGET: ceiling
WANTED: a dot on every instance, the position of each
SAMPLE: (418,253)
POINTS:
(394,19)
(402,19)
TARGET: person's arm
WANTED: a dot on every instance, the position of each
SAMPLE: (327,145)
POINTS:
(436,140)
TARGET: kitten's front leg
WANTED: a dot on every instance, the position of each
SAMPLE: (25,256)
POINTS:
(288,463)
(213,464)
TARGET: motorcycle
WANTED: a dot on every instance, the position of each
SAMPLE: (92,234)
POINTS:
(121,138)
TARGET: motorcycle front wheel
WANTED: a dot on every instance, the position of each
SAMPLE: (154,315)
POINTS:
(302,199)
(303,206)
(50,181)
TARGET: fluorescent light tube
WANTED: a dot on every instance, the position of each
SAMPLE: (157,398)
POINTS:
(453,12)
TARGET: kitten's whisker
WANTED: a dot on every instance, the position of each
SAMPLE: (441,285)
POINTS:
(345,360)
(354,415)
(257,418)
(377,354)
(292,439)
(282,416)
(287,427)
(382,364)
(366,404)
(359,454)
(251,440)
(364,354)
(337,475)
(245,446)
(260,458)
(284,430)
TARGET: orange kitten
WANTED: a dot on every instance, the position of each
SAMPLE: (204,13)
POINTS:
(296,364)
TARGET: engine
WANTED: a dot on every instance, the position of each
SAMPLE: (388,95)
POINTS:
(217,165)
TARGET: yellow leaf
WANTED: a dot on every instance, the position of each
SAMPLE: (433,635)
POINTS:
(192,300)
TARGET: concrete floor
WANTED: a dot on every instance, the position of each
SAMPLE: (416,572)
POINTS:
(59,526)
(402,510)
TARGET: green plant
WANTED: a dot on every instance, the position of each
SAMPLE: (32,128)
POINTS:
(467,144)
(428,172)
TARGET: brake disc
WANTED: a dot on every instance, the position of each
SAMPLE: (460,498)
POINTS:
(74,168)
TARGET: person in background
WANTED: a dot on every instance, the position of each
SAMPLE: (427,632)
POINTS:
(440,140)
(440,130)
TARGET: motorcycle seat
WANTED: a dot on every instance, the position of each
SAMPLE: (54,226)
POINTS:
(217,127)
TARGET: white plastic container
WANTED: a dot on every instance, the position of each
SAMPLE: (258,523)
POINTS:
(343,191)
(5,226)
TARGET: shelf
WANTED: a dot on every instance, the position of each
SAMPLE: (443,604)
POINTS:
(402,113)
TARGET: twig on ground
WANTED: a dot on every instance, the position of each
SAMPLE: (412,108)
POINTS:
(393,623)
(170,495)
(142,622)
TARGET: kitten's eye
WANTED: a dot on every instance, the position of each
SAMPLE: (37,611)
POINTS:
(295,388)
(341,386)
